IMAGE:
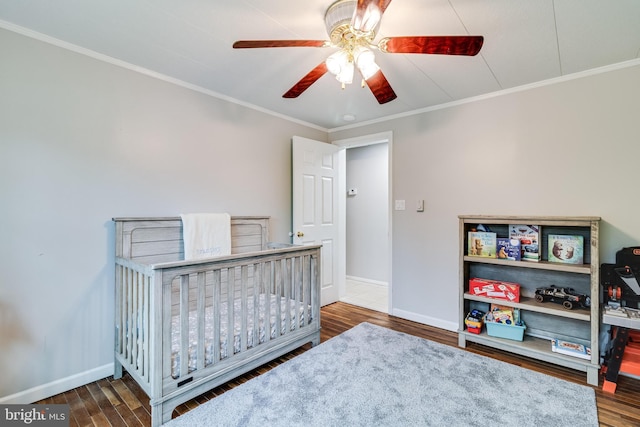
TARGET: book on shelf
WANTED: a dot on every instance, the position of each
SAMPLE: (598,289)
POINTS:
(482,244)
(508,248)
(529,237)
(571,349)
(566,249)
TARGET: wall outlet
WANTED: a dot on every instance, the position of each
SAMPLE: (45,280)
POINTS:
(400,205)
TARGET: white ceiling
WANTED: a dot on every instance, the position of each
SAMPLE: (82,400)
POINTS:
(526,41)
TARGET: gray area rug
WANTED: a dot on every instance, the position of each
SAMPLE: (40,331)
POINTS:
(373,376)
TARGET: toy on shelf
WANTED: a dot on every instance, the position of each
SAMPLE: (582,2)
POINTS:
(496,289)
(505,323)
(568,297)
(473,320)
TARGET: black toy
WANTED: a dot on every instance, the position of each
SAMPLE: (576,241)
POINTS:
(568,297)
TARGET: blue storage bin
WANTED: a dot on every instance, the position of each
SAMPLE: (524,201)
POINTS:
(502,330)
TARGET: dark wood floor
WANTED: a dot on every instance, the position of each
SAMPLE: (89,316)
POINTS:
(110,402)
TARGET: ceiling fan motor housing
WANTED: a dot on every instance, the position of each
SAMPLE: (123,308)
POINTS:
(337,21)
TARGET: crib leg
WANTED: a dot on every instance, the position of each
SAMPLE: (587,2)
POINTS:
(316,340)
(117,369)
(156,415)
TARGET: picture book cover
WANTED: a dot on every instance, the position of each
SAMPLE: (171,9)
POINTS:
(571,349)
(482,244)
(566,249)
(529,237)
(507,248)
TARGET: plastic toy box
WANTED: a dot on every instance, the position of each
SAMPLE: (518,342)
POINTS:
(503,330)
(474,320)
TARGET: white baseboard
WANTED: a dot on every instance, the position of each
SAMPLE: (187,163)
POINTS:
(368,281)
(43,391)
(431,321)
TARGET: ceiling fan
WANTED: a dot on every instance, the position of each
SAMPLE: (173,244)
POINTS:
(352,26)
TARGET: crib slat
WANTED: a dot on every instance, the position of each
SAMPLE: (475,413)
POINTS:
(129,311)
(120,285)
(244,284)
(134,318)
(165,340)
(231,275)
(278,294)
(257,280)
(295,280)
(286,282)
(139,314)
(201,282)
(305,282)
(268,287)
(216,315)
(125,313)
(146,322)
(314,291)
(184,325)
(300,305)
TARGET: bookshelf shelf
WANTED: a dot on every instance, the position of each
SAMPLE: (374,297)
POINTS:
(527,303)
(544,320)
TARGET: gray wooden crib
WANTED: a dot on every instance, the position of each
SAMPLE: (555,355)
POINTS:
(185,327)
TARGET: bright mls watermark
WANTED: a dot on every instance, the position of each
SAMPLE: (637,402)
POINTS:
(34,415)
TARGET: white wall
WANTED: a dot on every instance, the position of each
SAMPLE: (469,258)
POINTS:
(367,213)
(82,141)
(569,148)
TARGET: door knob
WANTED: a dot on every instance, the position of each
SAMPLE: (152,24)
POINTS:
(300,234)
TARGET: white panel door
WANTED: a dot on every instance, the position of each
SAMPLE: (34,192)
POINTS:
(315,178)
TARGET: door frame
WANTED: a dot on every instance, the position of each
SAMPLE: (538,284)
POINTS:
(361,141)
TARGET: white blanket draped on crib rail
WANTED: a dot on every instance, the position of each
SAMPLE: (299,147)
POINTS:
(206,235)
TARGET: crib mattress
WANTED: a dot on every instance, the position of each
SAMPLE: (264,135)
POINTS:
(300,319)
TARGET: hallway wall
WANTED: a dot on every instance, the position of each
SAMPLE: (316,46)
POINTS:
(367,212)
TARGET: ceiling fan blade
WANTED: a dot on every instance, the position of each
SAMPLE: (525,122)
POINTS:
(368,14)
(306,81)
(381,88)
(250,44)
(443,45)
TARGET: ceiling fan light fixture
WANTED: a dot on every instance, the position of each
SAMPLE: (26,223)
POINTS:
(365,60)
(345,76)
(337,61)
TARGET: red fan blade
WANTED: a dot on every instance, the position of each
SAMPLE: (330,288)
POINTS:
(249,44)
(368,14)
(306,81)
(381,88)
(443,45)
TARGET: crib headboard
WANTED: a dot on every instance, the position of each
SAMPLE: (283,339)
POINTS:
(151,240)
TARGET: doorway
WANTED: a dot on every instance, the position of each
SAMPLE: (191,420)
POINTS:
(367,213)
